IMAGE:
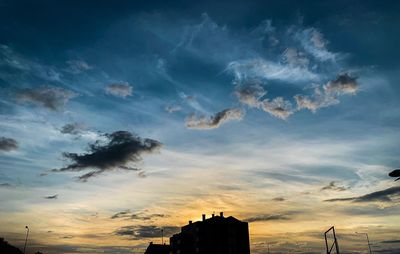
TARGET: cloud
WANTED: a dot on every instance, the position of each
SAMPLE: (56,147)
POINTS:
(267,217)
(26,66)
(379,196)
(117,150)
(264,69)
(293,57)
(52,197)
(127,214)
(316,101)
(343,84)
(332,186)
(328,95)
(72,128)
(78,66)
(278,107)
(391,241)
(122,214)
(119,89)
(49,97)
(314,43)
(173,108)
(8,144)
(146,231)
(215,121)
(250,94)
(279,199)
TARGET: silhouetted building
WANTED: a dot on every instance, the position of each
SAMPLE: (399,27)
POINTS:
(216,235)
(157,249)
(7,248)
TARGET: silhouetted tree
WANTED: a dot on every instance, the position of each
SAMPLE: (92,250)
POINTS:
(5,247)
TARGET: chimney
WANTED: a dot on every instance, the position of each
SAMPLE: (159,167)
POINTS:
(203,216)
(221,214)
(212,215)
(190,222)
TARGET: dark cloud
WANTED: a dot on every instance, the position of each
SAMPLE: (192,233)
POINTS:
(119,149)
(343,84)
(332,186)
(5,185)
(8,144)
(52,98)
(278,199)
(268,217)
(215,121)
(146,231)
(52,197)
(381,196)
(391,241)
(72,128)
(127,214)
(122,214)
(119,89)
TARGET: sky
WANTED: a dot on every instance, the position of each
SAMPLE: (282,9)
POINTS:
(119,118)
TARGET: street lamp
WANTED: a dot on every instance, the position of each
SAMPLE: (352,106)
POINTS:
(26,239)
(369,245)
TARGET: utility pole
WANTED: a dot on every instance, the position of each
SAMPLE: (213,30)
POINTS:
(162,236)
(26,239)
(369,245)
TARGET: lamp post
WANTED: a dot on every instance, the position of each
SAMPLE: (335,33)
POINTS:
(369,245)
(26,239)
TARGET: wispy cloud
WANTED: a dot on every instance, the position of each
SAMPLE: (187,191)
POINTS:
(173,108)
(315,44)
(50,97)
(122,90)
(144,216)
(264,69)
(77,66)
(267,217)
(386,195)
(72,128)
(215,121)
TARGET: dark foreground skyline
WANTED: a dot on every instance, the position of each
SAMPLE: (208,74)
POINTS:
(121,118)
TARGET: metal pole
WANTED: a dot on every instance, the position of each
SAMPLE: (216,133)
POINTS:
(268,248)
(26,239)
(162,236)
(369,245)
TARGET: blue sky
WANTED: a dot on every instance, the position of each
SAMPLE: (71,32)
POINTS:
(229,106)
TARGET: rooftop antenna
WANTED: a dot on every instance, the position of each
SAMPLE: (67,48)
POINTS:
(334,244)
(26,239)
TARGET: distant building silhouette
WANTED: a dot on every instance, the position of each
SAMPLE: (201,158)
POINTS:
(7,248)
(157,249)
(216,235)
